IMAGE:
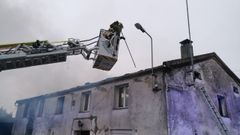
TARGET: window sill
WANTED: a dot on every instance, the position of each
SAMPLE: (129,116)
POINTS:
(84,111)
(120,108)
(225,117)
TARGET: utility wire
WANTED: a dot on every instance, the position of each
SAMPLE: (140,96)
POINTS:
(189,34)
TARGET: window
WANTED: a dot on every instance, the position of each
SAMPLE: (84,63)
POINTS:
(197,75)
(85,101)
(40,107)
(26,108)
(60,103)
(222,105)
(235,90)
(121,96)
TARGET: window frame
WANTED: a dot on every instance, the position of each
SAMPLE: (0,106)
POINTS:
(222,106)
(83,106)
(60,105)
(117,97)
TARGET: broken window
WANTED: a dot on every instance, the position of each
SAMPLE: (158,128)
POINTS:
(235,90)
(121,96)
(60,103)
(26,108)
(222,106)
(85,101)
(197,75)
(40,108)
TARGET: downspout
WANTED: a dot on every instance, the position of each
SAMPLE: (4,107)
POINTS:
(165,88)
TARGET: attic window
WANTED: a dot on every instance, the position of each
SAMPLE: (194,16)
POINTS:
(197,75)
(235,90)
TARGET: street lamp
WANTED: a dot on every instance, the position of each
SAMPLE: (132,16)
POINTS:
(154,84)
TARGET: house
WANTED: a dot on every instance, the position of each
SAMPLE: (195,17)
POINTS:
(202,98)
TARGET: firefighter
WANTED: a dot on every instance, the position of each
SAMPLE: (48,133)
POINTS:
(115,27)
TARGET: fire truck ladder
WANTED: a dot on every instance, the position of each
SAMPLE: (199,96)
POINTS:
(214,111)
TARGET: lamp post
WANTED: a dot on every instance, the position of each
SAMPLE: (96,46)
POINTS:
(154,84)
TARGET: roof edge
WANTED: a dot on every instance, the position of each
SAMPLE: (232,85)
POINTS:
(166,64)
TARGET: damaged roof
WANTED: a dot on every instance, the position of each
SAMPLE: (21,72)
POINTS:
(167,65)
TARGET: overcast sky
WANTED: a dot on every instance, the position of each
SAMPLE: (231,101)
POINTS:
(214,24)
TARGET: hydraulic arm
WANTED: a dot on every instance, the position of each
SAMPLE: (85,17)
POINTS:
(102,49)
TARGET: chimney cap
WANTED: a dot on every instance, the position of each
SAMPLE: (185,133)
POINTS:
(186,41)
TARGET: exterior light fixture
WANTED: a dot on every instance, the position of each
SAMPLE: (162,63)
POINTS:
(154,84)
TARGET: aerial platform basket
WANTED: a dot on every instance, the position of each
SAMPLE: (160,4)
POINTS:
(107,53)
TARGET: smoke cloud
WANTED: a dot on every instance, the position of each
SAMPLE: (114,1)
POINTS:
(213,30)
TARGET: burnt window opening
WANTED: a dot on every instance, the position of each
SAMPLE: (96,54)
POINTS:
(60,105)
(121,96)
(41,107)
(222,106)
(235,90)
(197,75)
(85,101)
(26,108)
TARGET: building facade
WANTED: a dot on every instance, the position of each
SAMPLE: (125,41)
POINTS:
(203,101)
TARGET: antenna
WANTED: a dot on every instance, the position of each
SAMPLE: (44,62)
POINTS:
(189,34)
(188,20)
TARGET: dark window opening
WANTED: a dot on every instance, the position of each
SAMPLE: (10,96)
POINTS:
(85,101)
(25,112)
(41,106)
(82,132)
(222,106)
(235,90)
(197,75)
(60,104)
